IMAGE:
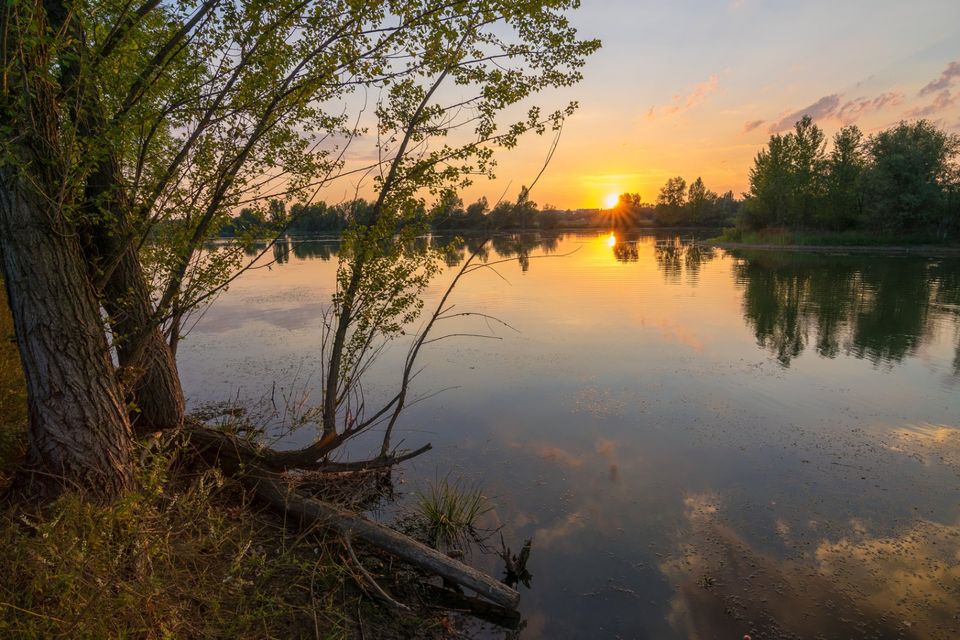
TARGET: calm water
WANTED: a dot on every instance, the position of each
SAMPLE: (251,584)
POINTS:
(701,444)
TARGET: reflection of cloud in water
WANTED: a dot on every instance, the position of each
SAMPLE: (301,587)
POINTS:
(604,449)
(551,453)
(914,576)
(547,537)
(928,443)
(673,331)
(903,586)
(598,477)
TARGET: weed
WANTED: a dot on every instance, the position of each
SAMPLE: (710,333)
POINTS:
(450,511)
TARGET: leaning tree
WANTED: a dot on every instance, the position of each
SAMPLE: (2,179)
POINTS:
(131,133)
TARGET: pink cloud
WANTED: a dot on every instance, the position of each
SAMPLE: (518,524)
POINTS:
(822,108)
(834,106)
(947,76)
(750,126)
(852,110)
(942,102)
(681,103)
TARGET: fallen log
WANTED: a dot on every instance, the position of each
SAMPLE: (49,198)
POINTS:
(448,600)
(252,467)
(274,491)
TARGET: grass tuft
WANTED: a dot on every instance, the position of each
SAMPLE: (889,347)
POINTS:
(450,511)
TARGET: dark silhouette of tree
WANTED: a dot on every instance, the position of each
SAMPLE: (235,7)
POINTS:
(868,308)
(902,179)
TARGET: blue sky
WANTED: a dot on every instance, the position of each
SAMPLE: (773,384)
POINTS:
(695,88)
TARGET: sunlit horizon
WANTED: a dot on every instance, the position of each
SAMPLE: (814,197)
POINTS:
(696,89)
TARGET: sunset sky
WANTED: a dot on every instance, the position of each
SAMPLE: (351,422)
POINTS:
(696,88)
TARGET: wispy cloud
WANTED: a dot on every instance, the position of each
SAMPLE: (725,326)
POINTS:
(834,106)
(947,76)
(753,124)
(944,100)
(853,110)
(822,108)
(685,102)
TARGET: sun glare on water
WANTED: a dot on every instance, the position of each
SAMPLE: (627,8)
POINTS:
(611,240)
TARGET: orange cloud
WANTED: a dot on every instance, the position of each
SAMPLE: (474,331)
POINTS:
(682,103)
(822,108)
(854,109)
(947,76)
(942,102)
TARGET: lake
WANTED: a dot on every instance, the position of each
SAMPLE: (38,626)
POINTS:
(701,444)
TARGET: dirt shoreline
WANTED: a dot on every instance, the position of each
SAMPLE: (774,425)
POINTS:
(927,251)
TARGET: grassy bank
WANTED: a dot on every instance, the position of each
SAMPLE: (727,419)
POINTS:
(836,242)
(185,556)
(785,237)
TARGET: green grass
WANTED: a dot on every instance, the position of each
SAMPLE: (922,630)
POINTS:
(449,511)
(783,237)
(187,555)
(179,558)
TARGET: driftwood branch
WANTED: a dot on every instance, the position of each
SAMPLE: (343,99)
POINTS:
(378,590)
(225,448)
(246,462)
(273,491)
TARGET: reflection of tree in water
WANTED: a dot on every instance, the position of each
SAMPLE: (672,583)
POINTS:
(945,276)
(522,245)
(281,251)
(315,249)
(677,256)
(625,250)
(873,308)
(453,250)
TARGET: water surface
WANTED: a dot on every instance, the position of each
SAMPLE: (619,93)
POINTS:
(701,444)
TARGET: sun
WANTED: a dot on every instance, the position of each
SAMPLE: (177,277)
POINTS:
(610,202)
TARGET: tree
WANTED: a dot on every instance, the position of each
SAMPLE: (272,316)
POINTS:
(149,127)
(700,203)
(808,164)
(845,167)
(909,177)
(769,199)
(671,201)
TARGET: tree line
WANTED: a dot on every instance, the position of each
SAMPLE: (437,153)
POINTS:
(677,206)
(903,179)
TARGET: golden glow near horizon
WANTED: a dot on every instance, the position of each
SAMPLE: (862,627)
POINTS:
(611,200)
(611,240)
(707,107)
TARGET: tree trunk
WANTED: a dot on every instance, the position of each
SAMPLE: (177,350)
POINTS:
(110,244)
(142,351)
(79,434)
(141,347)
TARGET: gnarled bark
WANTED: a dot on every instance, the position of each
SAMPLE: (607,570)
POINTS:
(79,434)
(111,249)
(142,350)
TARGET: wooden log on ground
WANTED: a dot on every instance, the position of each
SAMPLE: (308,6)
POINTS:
(453,601)
(248,464)
(274,491)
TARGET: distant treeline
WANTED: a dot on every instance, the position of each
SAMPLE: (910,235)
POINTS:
(902,180)
(677,206)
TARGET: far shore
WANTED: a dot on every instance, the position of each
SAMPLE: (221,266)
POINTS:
(926,250)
